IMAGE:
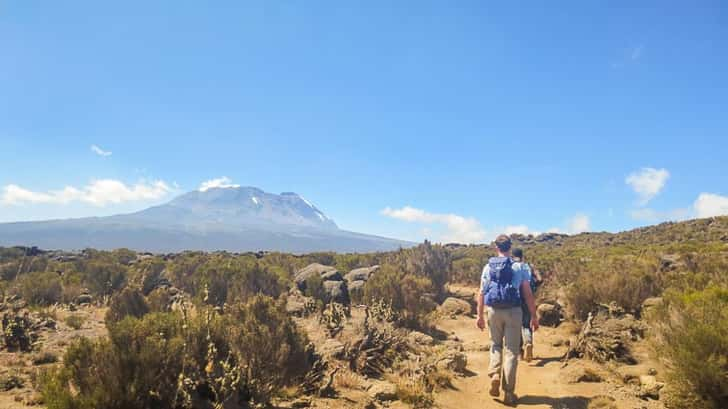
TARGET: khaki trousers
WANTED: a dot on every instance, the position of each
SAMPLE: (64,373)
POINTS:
(504,325)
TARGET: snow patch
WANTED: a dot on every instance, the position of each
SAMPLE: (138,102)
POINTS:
(322,217)
(306,201)
(255,200)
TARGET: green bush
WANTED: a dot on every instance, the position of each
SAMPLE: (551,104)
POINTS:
(129,302)
(41,288)
(409,295)
(75,321)
(267,343)
(691,335)
(170,360)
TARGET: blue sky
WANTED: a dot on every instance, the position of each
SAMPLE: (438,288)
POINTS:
(411,120)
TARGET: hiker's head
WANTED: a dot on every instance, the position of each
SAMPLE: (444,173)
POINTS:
(503,244)
(517,253)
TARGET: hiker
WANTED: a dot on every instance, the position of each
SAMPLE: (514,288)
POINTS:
(534,280)
(502,286)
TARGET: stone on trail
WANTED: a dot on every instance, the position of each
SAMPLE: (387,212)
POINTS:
(454,306)
(549,315)
(649,387)
(383,391)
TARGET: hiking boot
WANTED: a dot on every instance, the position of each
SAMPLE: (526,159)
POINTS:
(494,386)
(510,399)
(529,352)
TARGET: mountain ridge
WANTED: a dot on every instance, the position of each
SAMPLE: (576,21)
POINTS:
(219,218)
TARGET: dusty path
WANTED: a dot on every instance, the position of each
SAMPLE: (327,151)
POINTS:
(540,383)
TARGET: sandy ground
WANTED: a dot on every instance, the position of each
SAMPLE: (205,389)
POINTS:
(540,384)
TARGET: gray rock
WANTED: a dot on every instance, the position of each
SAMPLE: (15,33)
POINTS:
(455,306)
(455,361)
(356,289)
(549,315)
(649,387)
(416,338)
(332,276)
(336,291)
(312,270)
(383,391)
(360,274)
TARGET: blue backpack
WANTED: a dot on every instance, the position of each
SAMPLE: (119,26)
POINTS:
(500,292)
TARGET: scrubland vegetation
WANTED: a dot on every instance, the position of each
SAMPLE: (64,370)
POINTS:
(684,263)
(233,341)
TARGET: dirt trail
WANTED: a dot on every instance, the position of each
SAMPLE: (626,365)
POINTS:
(539,383)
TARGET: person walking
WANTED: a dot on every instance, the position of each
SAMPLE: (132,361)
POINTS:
(502,286)
(534,280)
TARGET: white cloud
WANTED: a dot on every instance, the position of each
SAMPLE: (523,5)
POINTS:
(98,193)
(222,182)
(457,228)
(647,183)
(710,204)
(653,216)
(579,223)
(100,151)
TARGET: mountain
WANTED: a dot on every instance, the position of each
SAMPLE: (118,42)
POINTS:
(231,218)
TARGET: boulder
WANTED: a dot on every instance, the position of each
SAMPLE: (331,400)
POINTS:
(416,338)
(336,291)
(360,274)
(455,361)
(383,391)
(549,315)
(454,306)
(84,299)
(649,387)
(315,269)
(356,289)
(332,275)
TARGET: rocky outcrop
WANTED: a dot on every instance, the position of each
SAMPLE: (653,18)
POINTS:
(325,272)
(549,315)
(336,291)
(360,274)
(455,306)
(606,336)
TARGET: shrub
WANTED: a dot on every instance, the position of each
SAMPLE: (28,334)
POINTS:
(75,321)
(691,334)
(130,302)
(168,360)
(137,367)
(41,288)
(45,357)
(275,362)
(9,382)
(315,288)
(622,280)
(407,294)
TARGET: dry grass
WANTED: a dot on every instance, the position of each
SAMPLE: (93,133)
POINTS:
(346,379)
